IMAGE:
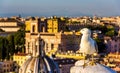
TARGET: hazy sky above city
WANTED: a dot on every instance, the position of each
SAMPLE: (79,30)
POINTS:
(59,7)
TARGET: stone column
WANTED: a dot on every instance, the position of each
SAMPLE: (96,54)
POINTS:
(33,48)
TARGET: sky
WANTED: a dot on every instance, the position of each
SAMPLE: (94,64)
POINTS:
(59,7)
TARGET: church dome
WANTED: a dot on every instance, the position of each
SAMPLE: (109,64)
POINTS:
(39,65)
(97,68)
(39,62)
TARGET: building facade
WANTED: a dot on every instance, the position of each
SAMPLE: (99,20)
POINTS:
(50,33)
(10,24)
(6,66)
(112,44)
(50,25)
(65,64)
(20,58)
(59,41)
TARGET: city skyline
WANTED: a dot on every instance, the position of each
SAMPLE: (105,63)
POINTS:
(59,7)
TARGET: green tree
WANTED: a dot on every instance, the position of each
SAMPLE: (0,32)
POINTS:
(11,45)
(3,48)
(19,39)
(101,45)
(110,33)
(100,27)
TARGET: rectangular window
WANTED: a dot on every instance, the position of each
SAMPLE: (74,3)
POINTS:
(52,46)
(33,28)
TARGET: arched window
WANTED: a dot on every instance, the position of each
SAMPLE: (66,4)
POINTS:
(42,28)
(33,28)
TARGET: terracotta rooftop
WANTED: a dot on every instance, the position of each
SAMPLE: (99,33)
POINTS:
(21,54)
